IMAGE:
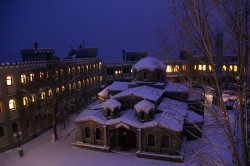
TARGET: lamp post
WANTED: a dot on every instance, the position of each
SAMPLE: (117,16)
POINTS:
(20,150)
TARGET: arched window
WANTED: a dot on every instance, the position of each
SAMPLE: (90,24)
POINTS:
(83,83)
(1,132)
(63,88)
(74,85)
(32,75)
(142,115)
(25,101)
(151,140)
(43,95)
(78,69)
(165,141)
(41,74)
(158,76)
(98,133)
(87,132)
(79,84)
(116,112)
(50,92)
(33,98)
(68,70)
(145,75)
(61,72)
(9,80)
(108,113)
(23,78)
(57,90)
(235,68)
(69,87)
(14,127)
(47,74)
(73,70)
(12,104)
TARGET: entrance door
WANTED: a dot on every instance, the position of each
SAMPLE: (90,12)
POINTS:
(127,139)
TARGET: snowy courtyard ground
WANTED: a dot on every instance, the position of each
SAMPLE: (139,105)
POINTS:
(41,152)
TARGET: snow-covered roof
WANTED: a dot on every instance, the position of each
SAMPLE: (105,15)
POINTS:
(193,117)
(144,91)
(144,105)
(175,87)
(149,63)
(104,93)
(196,94)
(111,103)
(116,86)
(173,107)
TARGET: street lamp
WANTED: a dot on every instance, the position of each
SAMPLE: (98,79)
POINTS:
(20,150)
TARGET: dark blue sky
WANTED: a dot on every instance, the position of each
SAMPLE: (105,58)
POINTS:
(109,25)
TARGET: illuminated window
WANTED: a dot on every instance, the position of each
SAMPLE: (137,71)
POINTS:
(33,98)
(68,70)
(184,67)
(87,81)
(83,83)
(79,69)
(63,88)
(32,76)
(169,68)
(131,71)
(194,67)
(200,67)
(209,67)
(47,74)
(69,87)
(74,85)
(87,67)
(230,67)
(41,74)
(73,70)
(0,107)
(57,90)
(12,104)
(176,68)
(56,72)
(82,68)
(61,72)
(43,95)
(9,80)
(23,78)
(204,67)
(100,78)
(100,65)
(224,68)
(235,68)
(116,72)
(79,84)
(50,92)
(25,101)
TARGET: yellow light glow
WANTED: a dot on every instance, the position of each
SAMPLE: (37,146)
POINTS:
(12,104)
(9,80)
(169,68)
(25,101)
(224,68)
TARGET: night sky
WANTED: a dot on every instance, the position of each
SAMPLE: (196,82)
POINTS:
(109,25)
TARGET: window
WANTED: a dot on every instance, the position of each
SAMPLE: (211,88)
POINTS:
(235,68)
(0,107)
(25,101)
(194,67)
(83,83)
(184,67)
(151,140)
(9,80)
(70,87)
(41,75)
(12,104)
(23,78)
(145,75)
(43,95)
(169,69)
(204,67)
(176,68)
(61,72)
(14,127)
(63,88)
(209,67)
(100,78)
(73,70)
(31,76)
(224,68)
(87,132)
(57,90)
(142,116)
(200,67)
(1,132)
(158,76)
(79,69)
(47,74)
(50,92)
(68,70)
(74,85)
(100,65)
(87,67)
(165,141)
(108,113)
(230,67)
(56,72)
(98,133)
(33,98)
(79,84)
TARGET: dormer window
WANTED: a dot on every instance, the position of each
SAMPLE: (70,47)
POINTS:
(142,116)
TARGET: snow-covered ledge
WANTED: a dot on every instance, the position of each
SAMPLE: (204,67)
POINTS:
(79,144)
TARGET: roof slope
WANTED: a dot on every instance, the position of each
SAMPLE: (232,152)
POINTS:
(149,63)
(111,103)
(144,105)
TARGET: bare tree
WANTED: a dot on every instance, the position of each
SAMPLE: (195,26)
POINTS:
(197,25)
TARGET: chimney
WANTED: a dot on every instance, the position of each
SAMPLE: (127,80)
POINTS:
(35,45)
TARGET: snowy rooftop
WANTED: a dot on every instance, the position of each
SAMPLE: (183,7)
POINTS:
(144,91)
(111,103)
(116,86)
(175,87)
(144,105)
(149,63)
(196,94)
(193,117)
(173,107)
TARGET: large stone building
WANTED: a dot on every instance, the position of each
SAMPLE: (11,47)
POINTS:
(26,87)
(144,115)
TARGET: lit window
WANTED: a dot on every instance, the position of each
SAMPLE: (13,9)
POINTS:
(57,90)
(79,69)
(47,74)
(43,95)
(184,67)
(23,78)
(33,98)
(194,67)
(69,86)
(56,72)
(176,68)
(82,68)
(74,85)
(79,84)
(68,70)
(100,78)
(209,67)
(235,68)
(169,68)
(41,74)
(87,67)
(9,80)
(73,70)
(100,65)
(63,88)
(0,107)
(31,76)
(12,104)
(83,83)
(200,67)
(224,68)
(230,67)
(131,71)
(61,72)
(25,101)
(116,72)
(50,92)
(204,67)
